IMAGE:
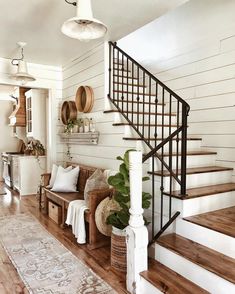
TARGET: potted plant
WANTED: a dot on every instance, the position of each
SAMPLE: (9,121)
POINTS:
(69,127)
(119,219)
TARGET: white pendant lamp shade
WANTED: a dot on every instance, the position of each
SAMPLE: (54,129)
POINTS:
(84,27)
(22,74)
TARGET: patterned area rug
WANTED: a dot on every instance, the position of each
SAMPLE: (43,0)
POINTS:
(44,264)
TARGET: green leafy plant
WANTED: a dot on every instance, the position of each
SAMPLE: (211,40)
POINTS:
(121,184)
(70,125)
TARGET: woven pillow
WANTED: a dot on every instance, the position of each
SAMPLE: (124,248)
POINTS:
(66,181)
(96,181)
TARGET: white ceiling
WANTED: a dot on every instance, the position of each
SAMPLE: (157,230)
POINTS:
(38,23)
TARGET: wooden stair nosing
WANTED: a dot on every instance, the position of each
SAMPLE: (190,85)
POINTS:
(134,93)
(121,70)
(150,125)
(191,153)
(168,281)
(196,170)
(205,191)
(137,112)
(125,76)
(129,84)
(207,258)
(139,102)
(221,220)
(157,139)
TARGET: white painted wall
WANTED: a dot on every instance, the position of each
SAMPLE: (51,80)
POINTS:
(192,50)
(7,142)
(48,77)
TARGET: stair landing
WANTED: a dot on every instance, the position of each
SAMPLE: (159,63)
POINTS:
(168,281)
(222,220)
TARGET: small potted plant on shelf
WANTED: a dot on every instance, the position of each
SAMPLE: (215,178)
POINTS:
(69,127)
(119,219)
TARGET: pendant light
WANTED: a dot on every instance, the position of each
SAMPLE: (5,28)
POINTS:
(83,26)
(22,74)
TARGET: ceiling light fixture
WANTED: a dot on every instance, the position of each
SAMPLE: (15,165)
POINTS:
(83,26)
(22,74)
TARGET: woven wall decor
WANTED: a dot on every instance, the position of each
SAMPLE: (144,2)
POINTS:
(68,111)
(84,99)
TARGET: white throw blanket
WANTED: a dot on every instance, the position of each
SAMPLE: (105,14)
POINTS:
(75,217)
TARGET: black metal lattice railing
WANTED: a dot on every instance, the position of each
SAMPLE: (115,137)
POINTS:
(159,118)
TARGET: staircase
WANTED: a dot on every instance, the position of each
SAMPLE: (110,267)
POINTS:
(192,234)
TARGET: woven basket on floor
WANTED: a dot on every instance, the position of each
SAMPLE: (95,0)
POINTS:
(118,250)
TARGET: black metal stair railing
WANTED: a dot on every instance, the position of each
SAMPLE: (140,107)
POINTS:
(159,117)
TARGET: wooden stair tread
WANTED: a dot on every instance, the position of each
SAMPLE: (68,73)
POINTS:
(139,102)
(121,70)
(125,76)
(168,281)
(222,220)
(201,255)
(157,139)
(191,153)
(145,124)
(134,93)
(131,85)
(197,170)
(205,191)
(138,112)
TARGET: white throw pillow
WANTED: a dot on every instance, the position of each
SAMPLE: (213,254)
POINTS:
(54,173)
(66,181)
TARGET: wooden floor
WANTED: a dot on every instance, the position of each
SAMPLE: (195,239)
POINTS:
(98,260)
(222,220)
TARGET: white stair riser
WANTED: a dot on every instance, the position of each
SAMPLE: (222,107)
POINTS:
(139,107)
(200,180)
(148,288)
(140,118)
(209,238)
(192,161)
(191,145)
(145,131)
(198,275)
(205,204)
(191,206)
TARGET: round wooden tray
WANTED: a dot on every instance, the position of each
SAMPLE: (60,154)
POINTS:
(68,111)
(84,99)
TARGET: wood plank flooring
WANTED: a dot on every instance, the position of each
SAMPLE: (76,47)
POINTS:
(222,220)
(203,256)
(98,260)
(168,281)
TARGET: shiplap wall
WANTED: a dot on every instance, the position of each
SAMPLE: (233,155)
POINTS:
(205,78)
(48,77)
(89,70)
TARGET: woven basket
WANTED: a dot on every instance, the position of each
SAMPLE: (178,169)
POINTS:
(118,250)
(84,99)
(68,111)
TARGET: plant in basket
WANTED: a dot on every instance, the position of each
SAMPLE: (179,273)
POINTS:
(119,219)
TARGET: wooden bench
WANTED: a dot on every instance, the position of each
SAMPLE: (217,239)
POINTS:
(95,238)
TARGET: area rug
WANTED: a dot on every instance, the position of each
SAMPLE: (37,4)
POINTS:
(43,263)
(2,191)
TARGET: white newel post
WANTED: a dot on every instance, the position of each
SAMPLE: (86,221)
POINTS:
(137,234)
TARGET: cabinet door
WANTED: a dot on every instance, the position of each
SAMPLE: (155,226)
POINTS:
(29,118)
(15,173)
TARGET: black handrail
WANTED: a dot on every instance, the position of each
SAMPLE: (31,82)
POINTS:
(140,108)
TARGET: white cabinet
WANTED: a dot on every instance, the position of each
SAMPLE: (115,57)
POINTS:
(36,114)
(27,172)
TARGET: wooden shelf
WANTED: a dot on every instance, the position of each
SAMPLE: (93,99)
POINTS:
(88,138)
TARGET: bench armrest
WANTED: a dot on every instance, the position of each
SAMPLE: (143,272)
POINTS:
(45,179)
(96,196)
